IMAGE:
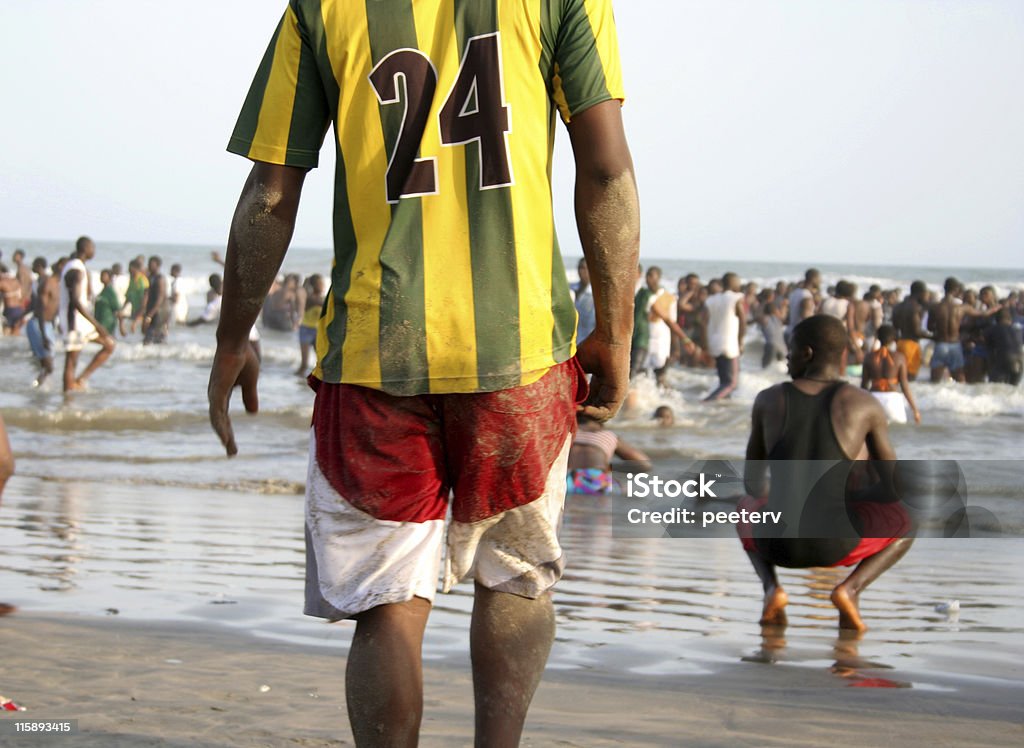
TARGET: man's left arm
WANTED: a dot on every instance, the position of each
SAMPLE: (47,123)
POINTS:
(755,468)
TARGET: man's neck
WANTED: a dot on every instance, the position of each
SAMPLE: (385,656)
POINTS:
(825,374)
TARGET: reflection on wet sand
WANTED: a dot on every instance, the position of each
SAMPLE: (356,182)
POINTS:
(661,607)
(849,665)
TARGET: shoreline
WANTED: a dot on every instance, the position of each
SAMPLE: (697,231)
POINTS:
(200,684)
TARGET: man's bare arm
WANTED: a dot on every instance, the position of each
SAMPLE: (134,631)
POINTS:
(608,219)
(877,439)
(672,325)
(882,454)
(638,459)
(261,230)
(741,315)
(755,469)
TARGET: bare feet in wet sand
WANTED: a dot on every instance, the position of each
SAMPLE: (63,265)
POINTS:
(849,613)
(774,613)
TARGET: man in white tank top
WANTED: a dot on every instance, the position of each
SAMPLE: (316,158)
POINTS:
(76,321)
(727,326)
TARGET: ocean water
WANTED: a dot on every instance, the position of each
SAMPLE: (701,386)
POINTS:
(144,420)
(124,500)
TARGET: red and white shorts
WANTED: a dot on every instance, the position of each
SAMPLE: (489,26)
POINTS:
(383,470)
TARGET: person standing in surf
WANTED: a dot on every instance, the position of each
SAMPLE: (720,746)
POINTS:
(447,359)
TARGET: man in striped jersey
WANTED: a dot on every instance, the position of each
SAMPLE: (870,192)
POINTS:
(446,354)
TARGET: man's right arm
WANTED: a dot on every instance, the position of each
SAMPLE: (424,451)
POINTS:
(608,220)
(261,230)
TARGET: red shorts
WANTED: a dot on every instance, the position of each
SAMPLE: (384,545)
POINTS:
(384,468)
(881,526)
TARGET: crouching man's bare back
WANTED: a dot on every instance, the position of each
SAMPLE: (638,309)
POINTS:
(818,416)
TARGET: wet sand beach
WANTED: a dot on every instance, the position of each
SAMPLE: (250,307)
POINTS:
(154,618)
(132,684)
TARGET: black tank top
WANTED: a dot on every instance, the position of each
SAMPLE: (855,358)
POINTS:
(809,475)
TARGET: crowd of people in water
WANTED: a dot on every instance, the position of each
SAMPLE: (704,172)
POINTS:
(966,334)
(50,302)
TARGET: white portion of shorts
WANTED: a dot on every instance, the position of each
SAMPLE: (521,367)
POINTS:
(516,551)
(355,562)
(77,339)
(894,406)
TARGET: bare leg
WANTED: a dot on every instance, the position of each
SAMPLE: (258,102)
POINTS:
(846,595)
(775,598)
(99,359)
(510,639)
(304,358)
(70,363)
(45,370)
(384,677)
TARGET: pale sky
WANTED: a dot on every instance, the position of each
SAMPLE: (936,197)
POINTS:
(880,131)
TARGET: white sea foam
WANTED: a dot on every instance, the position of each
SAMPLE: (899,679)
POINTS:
(979,400)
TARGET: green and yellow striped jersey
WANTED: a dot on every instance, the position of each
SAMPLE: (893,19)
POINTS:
(447,275)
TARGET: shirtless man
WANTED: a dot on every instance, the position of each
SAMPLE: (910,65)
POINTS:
(843,306)
(803,300)
(23,274)
(14,301)
(79,325)
(283,308)
(944,319)
(906,318)
(868,315)
(45,303)
(818,416)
